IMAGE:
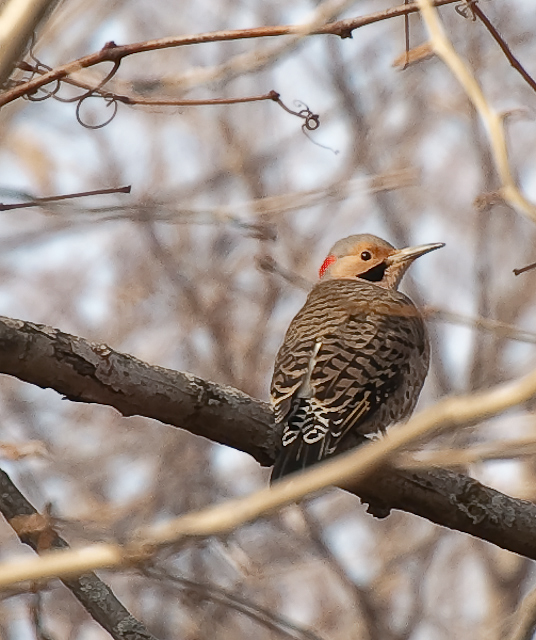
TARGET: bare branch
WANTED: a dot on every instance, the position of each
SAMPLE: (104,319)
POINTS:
(114,53)
(478,322)
(521,270)
(493,121)
(451,458)
(504,46)
(37,202)
(94,595)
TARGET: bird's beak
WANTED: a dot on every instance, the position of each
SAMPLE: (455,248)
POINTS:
(411,253)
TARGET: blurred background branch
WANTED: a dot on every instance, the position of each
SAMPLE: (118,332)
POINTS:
(19,19)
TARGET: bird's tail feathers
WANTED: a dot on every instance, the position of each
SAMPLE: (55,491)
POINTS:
(296,456)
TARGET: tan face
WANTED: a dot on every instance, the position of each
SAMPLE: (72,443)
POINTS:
(363,259)
(370,258)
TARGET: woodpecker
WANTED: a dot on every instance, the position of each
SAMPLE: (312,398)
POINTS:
(354,358)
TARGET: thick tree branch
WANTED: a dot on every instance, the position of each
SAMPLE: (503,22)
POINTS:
(94,373)
(93,594)
(86,372)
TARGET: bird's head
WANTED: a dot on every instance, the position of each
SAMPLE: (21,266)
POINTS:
(370,258)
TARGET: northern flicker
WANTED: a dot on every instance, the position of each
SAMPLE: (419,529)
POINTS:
(354,358)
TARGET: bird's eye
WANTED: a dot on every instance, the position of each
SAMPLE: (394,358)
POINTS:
(366,255)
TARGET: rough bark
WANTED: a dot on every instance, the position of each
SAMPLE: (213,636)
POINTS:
(83,371)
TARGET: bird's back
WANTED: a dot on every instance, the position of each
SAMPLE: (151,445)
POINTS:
(354,359)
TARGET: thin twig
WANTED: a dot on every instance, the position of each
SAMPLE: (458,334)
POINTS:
(504,329)
(406,34)
(172,102)
(529,267)
(477,11)
(37,202)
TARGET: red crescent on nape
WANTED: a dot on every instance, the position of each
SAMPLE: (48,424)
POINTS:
(327,262)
